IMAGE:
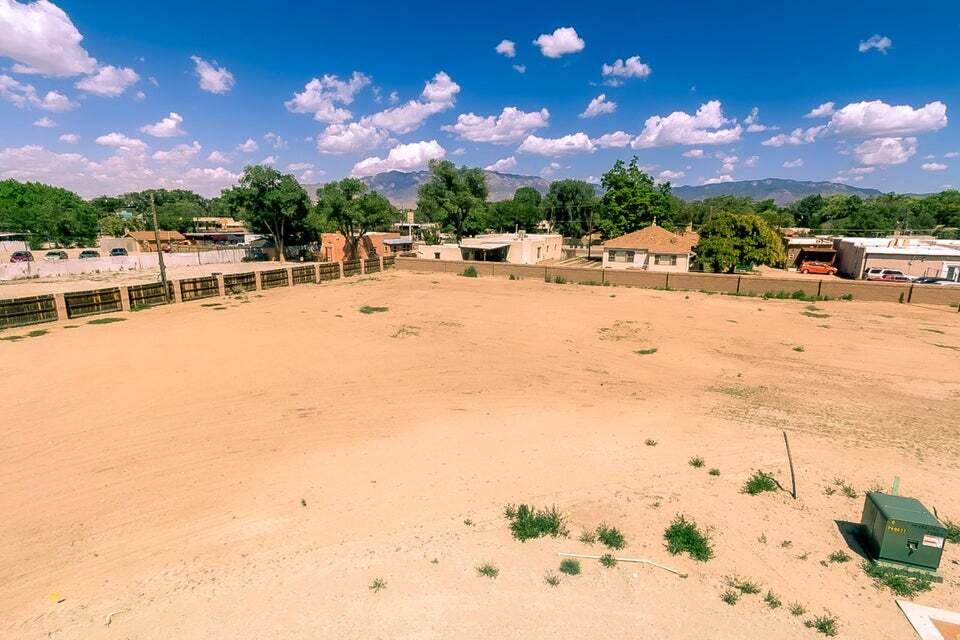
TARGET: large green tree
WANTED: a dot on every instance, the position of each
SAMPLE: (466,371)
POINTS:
(454,196)
(571,207)
(523,211)
(272,203)
(48,214)
(349,208)
(729,240)
(632,200)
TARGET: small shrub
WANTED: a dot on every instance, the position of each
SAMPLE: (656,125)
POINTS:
(827,625)
(839,557)
(559,280)
(608,561)
(683,536)
(469,272)
(714,471)
(786,544)
(106,320)
(829,491)
(587,537)
(487,570)
(696,462)
(804,555)
(367,309)
(570,567)
(650,442)
(552,579)
(900,583)
(36,333)
(611,537)
(847,297)
(762,539)
(746,587)
(759,482)
(378,584)
(646,352)
(730,597)
(814,314)
(528,523)
(797,609)
(512,277)
(468,522)
(953,530)
(510,511)
(845,488)
(799,349)
(772,600)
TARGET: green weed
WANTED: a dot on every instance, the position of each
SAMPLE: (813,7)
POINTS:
(528,522)
(650,442)
(900,583)
(759,482)
(488,570)
(714,471)
(469,272)
(377,585)
(608,561)
(827,625)
(799,349)
(746,587)
(552,579)
(611,537)
(588,537)
(646,352)
(696,462)
(772,600)
(106,320)
(730,597)
(683,536)
(953,530)
(797,609)
(367,309)
(570,567)
(839,557)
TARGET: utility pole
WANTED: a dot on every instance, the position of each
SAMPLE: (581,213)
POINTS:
(156,238)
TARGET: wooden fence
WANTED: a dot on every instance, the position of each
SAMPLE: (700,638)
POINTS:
(23,311)
(371,266)
(273,279)
(18,312)
(149,295)
(92,303)
(199,288)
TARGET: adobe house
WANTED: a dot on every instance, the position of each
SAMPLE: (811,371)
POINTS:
(652,248)
(333,246)
(147,241)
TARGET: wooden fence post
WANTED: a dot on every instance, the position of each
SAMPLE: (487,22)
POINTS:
(257,281)
(124,298)
(60,302)
(381,264)
(340,264)
(289,276)
(220,285)
(177,291)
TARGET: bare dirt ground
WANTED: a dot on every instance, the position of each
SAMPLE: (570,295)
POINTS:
(247,472)
(84,281)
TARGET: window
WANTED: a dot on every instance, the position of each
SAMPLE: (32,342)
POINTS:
(538,253)
(436,255)
(666,259)
(629,255)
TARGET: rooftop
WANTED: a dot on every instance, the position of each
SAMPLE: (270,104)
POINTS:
(655,239)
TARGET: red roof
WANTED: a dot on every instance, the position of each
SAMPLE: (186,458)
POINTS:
(655,239)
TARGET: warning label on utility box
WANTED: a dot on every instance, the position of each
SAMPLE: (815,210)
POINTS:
(933,541)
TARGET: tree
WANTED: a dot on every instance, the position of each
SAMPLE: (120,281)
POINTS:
(352,210)
(633,200)
(454,197)
(48,214)
(523,211)
(570,205)
(728,240)
(271,203)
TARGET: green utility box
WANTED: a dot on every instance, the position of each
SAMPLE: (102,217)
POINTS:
(900,532)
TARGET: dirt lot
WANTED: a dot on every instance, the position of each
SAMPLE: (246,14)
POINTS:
(248,471)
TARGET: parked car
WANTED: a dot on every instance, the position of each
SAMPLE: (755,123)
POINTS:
(21,256)
(86,254)
(895,277)
(55,255)
(118,251)
(878,273)
(934,280)
(815,266)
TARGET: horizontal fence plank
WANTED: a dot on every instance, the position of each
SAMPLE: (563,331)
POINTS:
(148,295)
(372,265)
(351,268)
(389,262)
(329,271)
(935,294)
(199,288)
(20,312)
(274,278)
(92,303)
(304,275)
(239,282)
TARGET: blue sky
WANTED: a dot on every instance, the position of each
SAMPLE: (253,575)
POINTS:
(134,97)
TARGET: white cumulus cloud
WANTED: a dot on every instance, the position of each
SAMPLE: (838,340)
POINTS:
(561,42)
(885,151)
(825,110)
(933,166)
(45,123)
(438,95)
(109,81)
(218,157)
(24,96)
(511,125)
(269,161)
(599,106)
(503,164)
(42,39)
(615,140)
(879,119)
(520,68)
(70,138)
(753,122)
(403,157)
(793,164)
(121,141)
(706,126)
(249,146)
(632,67)
(274,140)
(693,153)
(182,153)
(349,138)
(213,78)
(876,41)
(168,127)
(667,174)
(321,96)
(718,179)
(507,48)
(573,143)
(797,136)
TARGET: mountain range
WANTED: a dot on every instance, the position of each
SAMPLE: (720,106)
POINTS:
(400,188)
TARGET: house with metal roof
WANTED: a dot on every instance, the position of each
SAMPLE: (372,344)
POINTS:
(914,256)
(652,248)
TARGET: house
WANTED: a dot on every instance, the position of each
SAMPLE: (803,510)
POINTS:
(913,255)
(800,250)
(333,246)
(147,240)
(514,248)
(652,248)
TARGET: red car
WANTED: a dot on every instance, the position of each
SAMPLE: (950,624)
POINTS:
(821,268)
(21,256)
(895,277)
